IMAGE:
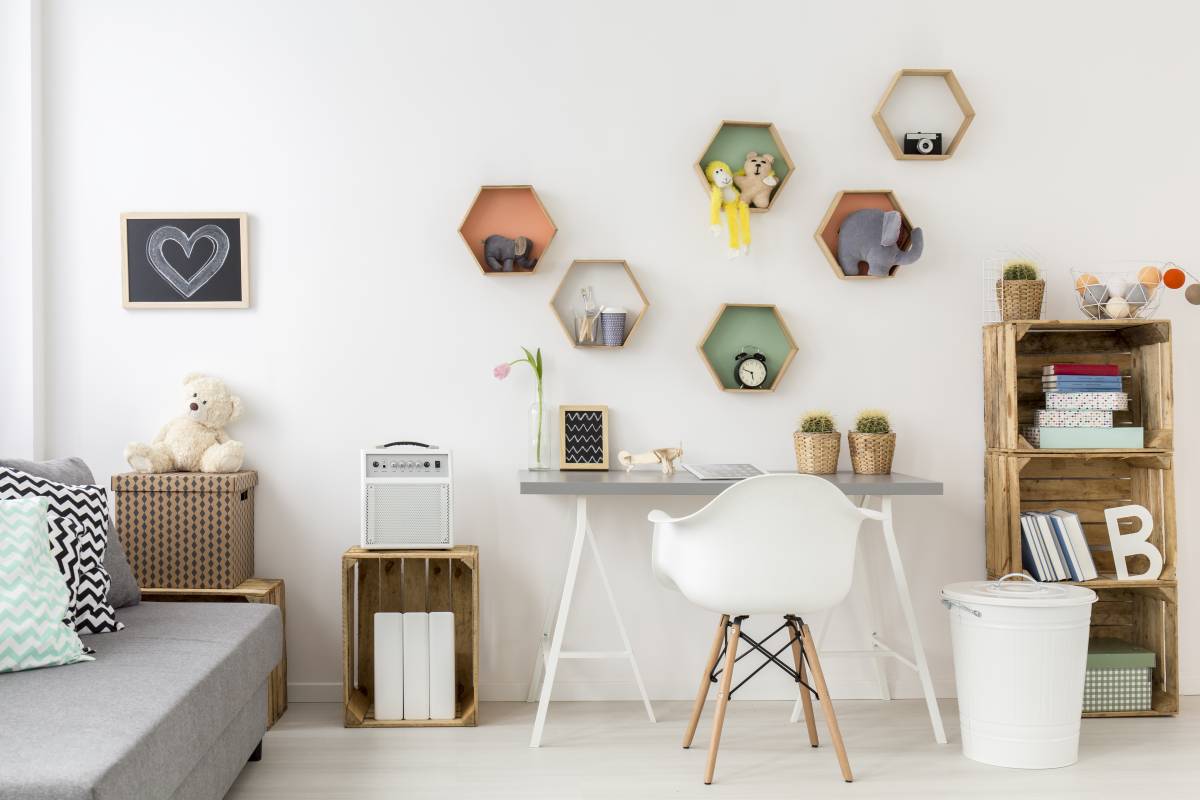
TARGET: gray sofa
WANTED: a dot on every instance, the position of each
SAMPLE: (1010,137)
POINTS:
(172,707)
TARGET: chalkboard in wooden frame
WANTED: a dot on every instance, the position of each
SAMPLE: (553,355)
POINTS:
(583,437)
(185,260)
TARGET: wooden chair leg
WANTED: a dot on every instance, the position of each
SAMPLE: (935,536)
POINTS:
(722,700)
(702,693)
(805,695)
(835,733)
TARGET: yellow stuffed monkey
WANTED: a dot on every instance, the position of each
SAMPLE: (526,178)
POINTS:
(737,212)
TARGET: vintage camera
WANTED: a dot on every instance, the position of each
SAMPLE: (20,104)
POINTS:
(922,144)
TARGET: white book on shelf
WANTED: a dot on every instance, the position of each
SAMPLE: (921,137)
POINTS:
(416,665)
(1033,539)
(441,665)
(389,665)
(1060,571)
(1083,553)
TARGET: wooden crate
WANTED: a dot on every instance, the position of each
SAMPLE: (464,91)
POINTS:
(254,590)
(408,580)
(1015,352)
(1146,616)
(1087,485)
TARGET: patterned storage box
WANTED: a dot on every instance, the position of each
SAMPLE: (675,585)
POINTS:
(1120,676)
(187,530)
(1103,401)
(1083,418)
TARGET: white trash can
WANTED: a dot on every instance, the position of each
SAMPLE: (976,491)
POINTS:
(1020,654)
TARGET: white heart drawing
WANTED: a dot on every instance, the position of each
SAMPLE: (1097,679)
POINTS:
(169,233)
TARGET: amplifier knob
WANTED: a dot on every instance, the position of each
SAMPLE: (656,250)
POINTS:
(375,464)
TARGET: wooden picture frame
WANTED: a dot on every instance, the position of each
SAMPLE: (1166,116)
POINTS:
(592,451)
(150,280)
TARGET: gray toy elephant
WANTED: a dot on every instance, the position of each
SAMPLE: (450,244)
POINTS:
(871,235)
(502,253)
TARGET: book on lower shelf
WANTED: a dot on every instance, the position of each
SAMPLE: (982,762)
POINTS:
(1054,547)
(1081,383)
(1122,438)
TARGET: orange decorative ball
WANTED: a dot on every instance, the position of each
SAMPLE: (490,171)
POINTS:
(1174,278)
(1149,276)
(1085,280)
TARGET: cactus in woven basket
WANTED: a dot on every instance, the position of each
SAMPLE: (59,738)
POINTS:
(1018,270)
(817,422)
(872,421)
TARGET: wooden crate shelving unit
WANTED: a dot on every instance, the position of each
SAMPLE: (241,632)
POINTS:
(253,590)
(408,580)
(1019,477)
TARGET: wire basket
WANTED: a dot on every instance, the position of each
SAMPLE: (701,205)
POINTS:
(1122,290)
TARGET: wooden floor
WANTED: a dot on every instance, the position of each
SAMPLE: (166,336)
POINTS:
(610,751)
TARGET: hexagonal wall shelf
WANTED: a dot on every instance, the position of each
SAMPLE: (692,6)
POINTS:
(740,325)
(733,140)
(847,202)
(613,285)
(510,211)
(956,92)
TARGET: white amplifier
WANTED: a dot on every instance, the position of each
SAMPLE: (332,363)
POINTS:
(406,497)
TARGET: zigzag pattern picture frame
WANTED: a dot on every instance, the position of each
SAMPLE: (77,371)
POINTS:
(583,437)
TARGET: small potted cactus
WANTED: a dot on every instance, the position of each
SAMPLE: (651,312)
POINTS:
(1019,293)
(872,443)
(818,444)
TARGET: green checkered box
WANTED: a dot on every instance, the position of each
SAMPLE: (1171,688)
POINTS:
(1120,676)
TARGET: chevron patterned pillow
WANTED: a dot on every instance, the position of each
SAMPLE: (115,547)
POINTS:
(87,507)
(33,595)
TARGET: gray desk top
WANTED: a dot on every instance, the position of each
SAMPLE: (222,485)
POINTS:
(653,482)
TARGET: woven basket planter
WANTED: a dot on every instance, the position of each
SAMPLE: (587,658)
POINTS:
(817,453)
(1020,299)
(871,453)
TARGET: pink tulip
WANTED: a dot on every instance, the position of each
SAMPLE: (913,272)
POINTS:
(500,371)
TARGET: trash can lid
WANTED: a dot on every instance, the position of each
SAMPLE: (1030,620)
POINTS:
(1026,592)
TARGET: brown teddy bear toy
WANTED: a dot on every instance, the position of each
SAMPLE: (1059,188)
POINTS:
(756,179)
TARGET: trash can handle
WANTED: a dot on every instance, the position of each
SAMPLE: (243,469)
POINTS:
(955,604)
(1015,575)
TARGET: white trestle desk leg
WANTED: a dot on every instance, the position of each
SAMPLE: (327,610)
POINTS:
(560,623)
(889,537)
(612,602)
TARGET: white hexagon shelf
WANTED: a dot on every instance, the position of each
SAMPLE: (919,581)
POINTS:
(904,76)
(614,286)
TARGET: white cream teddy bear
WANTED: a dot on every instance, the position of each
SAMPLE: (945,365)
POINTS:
(195,441)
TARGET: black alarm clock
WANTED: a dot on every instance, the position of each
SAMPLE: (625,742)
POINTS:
(750,369)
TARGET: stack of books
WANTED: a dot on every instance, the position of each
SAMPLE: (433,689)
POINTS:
(1054,548)
(1080,401)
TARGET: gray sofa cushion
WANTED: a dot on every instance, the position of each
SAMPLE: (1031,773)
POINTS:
(124,589)
(138,720)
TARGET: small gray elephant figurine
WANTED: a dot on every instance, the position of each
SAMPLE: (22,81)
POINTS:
(502,253)
(871,235)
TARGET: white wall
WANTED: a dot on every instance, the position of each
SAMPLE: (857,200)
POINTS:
(355,135)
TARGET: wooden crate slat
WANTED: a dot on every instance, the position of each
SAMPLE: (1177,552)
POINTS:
(408,580)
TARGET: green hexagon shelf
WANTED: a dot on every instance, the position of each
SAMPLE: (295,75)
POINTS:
(733,140)
(737,325)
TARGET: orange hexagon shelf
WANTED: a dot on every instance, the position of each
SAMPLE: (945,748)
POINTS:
(906,76)
(613,284)
(846,203)
(737,326)
(733,140)
(509,211)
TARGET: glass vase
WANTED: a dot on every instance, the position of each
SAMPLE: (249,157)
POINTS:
(539,433)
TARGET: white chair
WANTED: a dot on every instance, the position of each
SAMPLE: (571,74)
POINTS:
(773,544)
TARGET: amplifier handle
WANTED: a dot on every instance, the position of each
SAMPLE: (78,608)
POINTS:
(409,444)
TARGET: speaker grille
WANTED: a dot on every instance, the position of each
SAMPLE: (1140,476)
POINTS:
(408,514)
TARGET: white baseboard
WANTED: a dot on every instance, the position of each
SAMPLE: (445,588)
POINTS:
(625,690)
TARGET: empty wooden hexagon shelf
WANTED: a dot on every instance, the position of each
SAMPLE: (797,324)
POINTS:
(613,286)
(747,328)
(733,140)
(844,204)
(511,212)
(895,145)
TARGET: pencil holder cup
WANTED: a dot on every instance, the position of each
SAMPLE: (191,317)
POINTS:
(612,327)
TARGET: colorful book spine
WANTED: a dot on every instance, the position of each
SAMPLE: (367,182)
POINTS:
(1100,401)
(1082,418)
(1081,369)
(1081,384)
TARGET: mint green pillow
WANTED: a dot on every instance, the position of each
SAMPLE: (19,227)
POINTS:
(34,597)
